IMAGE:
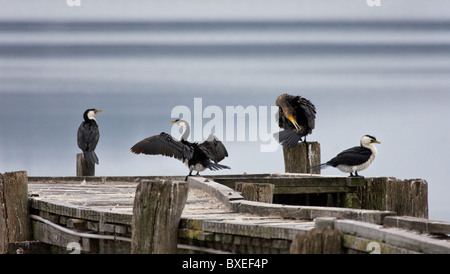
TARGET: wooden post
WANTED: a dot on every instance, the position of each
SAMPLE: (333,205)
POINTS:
(258,192)
(299,158)
(156,214)
(315,241)
(405,197)
(14,216)
(83,168)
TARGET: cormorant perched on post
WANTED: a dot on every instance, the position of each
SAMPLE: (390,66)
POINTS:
(296,115)
(195,156)
(88,136)
(356,158)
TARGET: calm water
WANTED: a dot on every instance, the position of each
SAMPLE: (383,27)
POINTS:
(387,79)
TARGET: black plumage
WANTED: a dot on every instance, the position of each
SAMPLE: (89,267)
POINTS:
(194,155)
(352,157)
(164,144)
(88,136)
(296,115)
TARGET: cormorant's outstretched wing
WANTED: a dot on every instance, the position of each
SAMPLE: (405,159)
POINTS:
(87,137)
(163,144)
(352,157)
(214,148)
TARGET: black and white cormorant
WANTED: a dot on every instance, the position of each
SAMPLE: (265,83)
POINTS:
(88,136)
(296,115)
(356,158)
(197,157)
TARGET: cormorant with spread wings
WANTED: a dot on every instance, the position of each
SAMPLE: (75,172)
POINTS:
(197,157)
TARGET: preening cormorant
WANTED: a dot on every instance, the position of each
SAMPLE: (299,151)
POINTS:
(88,135)
(197,157)
(356,158)
(296,115)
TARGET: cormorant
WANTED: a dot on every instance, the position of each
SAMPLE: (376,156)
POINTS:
(195,156)
(356,158)
(296,115)
(88,136)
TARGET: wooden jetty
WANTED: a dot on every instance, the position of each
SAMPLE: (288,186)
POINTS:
(95,215)
(294,212)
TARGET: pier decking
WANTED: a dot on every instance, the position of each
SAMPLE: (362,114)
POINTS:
(96,214)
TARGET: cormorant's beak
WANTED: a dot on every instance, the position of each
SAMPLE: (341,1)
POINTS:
(173,122)
(294,122)
(97,111)
(376,142)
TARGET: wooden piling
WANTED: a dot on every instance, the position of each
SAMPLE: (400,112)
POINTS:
(299,158)
(14,216)
(315,241)
(156,214)
(405,197)
(258,192)
(83,168)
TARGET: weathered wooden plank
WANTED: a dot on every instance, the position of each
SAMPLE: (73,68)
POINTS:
(156,215)
(297,181)
(50,235)
(370,246)
(285,211)
(394,237)
(80,212)
(309,212)
(253,230)
(418,224)
(14,216)
(221,192)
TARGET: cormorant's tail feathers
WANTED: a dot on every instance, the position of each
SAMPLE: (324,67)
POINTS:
(91,157)
(214,166)
(318,166)
(288,138)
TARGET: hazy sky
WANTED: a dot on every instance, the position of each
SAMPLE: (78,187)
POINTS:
(223,9)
